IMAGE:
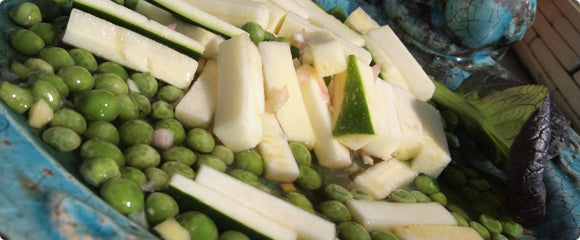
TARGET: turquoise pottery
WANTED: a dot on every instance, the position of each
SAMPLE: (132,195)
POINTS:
(42,196)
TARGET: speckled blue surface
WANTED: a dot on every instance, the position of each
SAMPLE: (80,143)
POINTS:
(41,197)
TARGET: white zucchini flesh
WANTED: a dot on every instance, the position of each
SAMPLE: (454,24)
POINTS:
(329,151)
(382,178)
(436,232)
(279,72)
(126,47)
(411,125)
(293,24)
(389,71)
(325,52)
(277,15)
(388,129)
(279,163)
(240,101)
(361,21)
(292,7)
(230,207)
(417,80)
(374,215)
(235,12)
(40,114)
(198,105)
(170,229)
(307,225)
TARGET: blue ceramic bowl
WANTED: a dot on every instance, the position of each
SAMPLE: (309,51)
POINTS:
(41,196)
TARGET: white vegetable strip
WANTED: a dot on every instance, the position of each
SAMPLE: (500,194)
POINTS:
(198,105)
(235,12)
(279,163)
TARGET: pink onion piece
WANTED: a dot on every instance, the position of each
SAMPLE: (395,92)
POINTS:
(376,71)
(276,99)
(172,26)
(163,138)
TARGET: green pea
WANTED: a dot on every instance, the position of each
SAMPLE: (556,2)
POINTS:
(233,235)
(62,139)
(360,194)
(498,236)
(299,200)
(161,110)
(179,154)
(454,176)
(308,179)
(458,210)
(26,42)
(481,206)
(77,78)
(113,67)
(17,98)
(169,93)
(268,36)
(47,32)
(295,51)
(46,91)
(98,105)
(174,167)
(337,192)
(57,57)
(97,148)
(249,160)
(142,156)
(469,172)
(111,82)
(157,178)
(461,221)
(211,161)
(159,207)
(123,195)
(301,154)
(452,140)
(49,9)
(127,108)
(256,31)
(338,13)
(382,234)
(201,140)
(224,153)
(84,59)
(96,171)
(174,126)
(142,102)
(402,195)
(426,184)
(103,130)
(335,211)
(350,230)
(480,229)
(53,79)
(491,198)
(70,119)
(492,224)
(136,131)
(439,197)
(26,14)
(420,196)
(134,174)
(469,193)
(20,69)
(245,176)
(38,65)
(199,225)
(282,39)
(511,228)
(479,184)
(146,83)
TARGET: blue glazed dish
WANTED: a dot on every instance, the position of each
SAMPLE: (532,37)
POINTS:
(41,196)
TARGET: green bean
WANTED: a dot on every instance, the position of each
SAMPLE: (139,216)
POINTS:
(113,67)
(47,32)
(256,31)
(26,42)
(127,108)
(338,13)
(159,207)
(360,194)
(420,196)
(70,119)
(38,65)
(383,234)
(123,195)
(25,14)
(53,79)
(156,178)
(20,69)
(174,126)
(480,229)
(17,98)
(179,154)
(98,105)
(439,197)
(224,153)
(96,171)
(309,179)
(142,103)
(161,110)
(201,140)
(174,167)
(299,200)
(142,156)
(136,131)
(402,195)
(57,57)
(77,78)
(301,154)
(97,148)
(46,91)
(245,176)
(102,130)
(111,82)
(233,235)
(350,230)
(498,236)
(335,211)
(61,139)
(511,228)
(249,160)
(199,225)
(426,184)
(337,192)
(492,224)
(146,83)
(134,174)
(461,221)
(84,59)
(169,93)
